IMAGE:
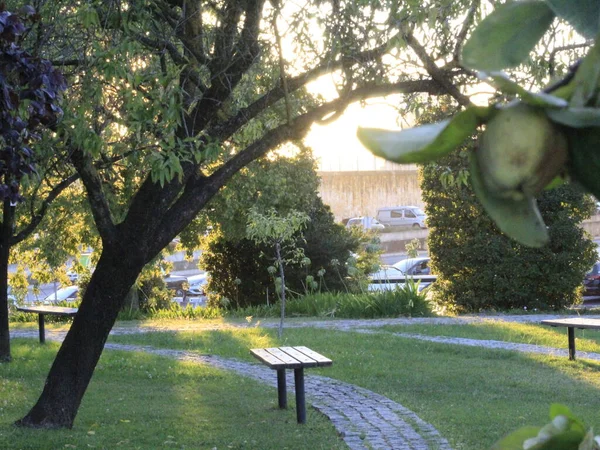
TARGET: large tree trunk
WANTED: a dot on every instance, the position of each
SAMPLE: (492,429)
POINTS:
(6,232)
(76,360)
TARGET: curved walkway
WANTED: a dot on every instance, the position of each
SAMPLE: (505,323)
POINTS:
(364,419)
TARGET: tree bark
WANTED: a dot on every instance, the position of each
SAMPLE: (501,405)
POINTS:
(6,232)
(76,360)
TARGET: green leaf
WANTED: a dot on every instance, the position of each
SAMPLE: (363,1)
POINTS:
(519,219)
(556,182)
(569,440)
(584,157)
(427,142)
(558,409)
(576,117)
(502,82)
(583,15)
(586,78)
(514,441)
(505,37)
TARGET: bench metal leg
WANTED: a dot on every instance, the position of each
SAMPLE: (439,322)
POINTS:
(41,328)
(281,389)
(571,332)
(300,401)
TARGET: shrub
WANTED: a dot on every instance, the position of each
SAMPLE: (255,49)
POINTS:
(238,267)
(479,268)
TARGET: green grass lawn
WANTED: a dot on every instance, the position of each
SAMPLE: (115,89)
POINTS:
(138,401)
(472,396)
(526,333)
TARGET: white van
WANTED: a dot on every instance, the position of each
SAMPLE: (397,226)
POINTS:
(402,216)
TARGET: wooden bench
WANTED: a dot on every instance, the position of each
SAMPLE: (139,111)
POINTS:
(571,324)
(297,358)
(44,310)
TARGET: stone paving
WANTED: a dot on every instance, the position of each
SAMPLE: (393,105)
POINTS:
(364,419)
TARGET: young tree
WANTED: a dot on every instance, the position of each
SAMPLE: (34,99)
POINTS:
(276,231)
(187,93)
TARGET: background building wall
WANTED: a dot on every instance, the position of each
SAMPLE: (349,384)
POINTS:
(361,193)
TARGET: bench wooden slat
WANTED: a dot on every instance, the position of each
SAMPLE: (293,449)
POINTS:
(321,360)
(304,360)
(290,361)
(275,358)
(272,361)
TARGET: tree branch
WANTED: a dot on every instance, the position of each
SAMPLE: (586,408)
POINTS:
(562,49)
(432,69)
(225,37)
(225,130)
(462,35)
(36,218)
(162,45)
(293,84)
(199,190)
(98,202)
(229,67)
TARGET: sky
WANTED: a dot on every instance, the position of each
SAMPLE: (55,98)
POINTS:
(336,146)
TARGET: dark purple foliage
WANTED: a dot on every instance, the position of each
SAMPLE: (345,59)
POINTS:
(30,89)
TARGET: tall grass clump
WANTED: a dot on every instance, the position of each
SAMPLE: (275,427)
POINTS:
(174,311)
(388,303)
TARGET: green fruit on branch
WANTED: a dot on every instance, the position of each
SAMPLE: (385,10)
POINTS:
(520,152)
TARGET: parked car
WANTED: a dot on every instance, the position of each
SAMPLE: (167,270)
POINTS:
(366,223)
(73,276)
(177,284)
(67,294)
(388,277)
(197,285)
(402,216)
(414,266)
(591,281)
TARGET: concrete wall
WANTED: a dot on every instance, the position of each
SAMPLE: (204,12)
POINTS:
(361,193)
(592,226)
